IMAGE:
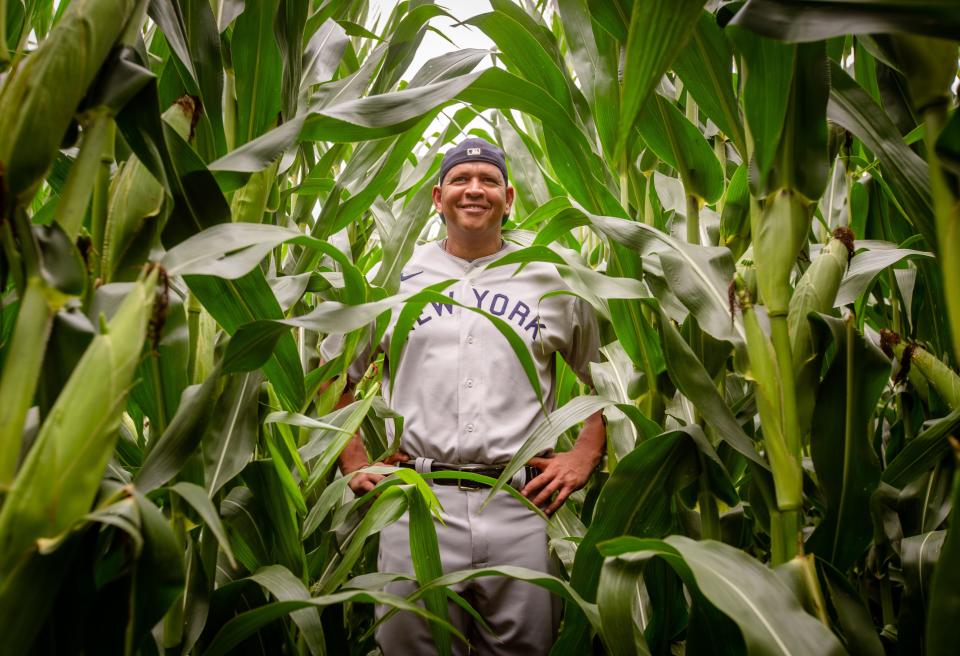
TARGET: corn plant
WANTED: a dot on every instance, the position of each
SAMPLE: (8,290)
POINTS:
(760,206)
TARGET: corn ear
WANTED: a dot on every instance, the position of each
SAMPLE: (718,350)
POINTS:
(779,232)
(816,291)
(21,371)
(136,198)
(943,379)
(40,98)
(62,471)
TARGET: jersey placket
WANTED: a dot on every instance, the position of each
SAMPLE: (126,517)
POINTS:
(470,382)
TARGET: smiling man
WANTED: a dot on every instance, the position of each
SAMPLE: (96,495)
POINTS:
(468,404)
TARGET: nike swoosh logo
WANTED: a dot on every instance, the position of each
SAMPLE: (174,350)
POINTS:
(409,275)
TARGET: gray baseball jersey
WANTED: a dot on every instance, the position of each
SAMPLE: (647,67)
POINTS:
(461,390)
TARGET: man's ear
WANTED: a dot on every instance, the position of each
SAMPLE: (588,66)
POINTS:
(436,203)
(509,199)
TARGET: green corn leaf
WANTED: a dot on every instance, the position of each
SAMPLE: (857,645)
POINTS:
(258,65)
(386,509)
(283,585)
(169,453)
(690,377)
(944,601)
(199,500)
(661,466)
(249,298)
(867,265)
(845,462)
(854,109)
(767,613)
(656,34)
(923,451)
(679,143)
(595,58)
(767,70)
(616,601)
(425,553)
(246,624)
(231,437)
(814,21)
(523,52)
(703,67)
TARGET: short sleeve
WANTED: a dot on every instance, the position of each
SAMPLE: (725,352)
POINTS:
(584,344)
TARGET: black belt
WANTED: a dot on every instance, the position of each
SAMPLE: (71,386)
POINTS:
(493,471)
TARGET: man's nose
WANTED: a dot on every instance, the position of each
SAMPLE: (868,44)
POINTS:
(474,187)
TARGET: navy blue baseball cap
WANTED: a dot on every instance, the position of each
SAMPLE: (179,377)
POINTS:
(473,149)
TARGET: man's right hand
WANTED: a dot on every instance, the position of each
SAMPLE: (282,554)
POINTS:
(364,482)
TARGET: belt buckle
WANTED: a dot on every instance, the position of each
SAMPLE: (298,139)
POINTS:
(466,484)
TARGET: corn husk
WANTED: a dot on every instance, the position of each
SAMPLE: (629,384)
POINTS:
(779,232)
(40,98)
(816,292)
(61,474)
(942,378)
(21,370)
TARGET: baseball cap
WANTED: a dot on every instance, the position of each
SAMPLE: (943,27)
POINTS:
(473,149)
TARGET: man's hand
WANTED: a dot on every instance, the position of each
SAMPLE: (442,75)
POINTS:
(563,473)
(363,483)
(567,472)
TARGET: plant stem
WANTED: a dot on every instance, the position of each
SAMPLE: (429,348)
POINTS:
(780,336)
(709,511)
(193,334)
(693,219)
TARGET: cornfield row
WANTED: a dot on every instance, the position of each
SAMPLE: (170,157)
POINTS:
(760,199)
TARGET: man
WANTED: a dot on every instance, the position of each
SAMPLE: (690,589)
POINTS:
(466,401)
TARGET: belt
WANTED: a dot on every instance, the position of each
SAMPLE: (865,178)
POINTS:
(493,471)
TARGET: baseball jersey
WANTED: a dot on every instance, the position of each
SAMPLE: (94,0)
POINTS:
(463,393)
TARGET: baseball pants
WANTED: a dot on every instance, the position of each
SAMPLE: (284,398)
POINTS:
(524,617)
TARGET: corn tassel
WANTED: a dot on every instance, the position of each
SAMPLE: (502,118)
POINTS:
(62,471)
(915,358)
(40,98)
(136,198)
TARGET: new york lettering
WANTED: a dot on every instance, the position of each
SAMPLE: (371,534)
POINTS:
(496,303)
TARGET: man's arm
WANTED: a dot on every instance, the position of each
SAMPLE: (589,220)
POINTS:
(567,472)
(354,455)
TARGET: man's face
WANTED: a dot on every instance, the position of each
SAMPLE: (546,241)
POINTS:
(473,198)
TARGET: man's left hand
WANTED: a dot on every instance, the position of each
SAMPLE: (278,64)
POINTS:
(563,473)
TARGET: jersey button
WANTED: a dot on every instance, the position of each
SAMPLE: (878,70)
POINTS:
(470,339)
(468,428)
(469,382)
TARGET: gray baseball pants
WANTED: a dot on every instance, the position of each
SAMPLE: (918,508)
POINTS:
(524,617)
